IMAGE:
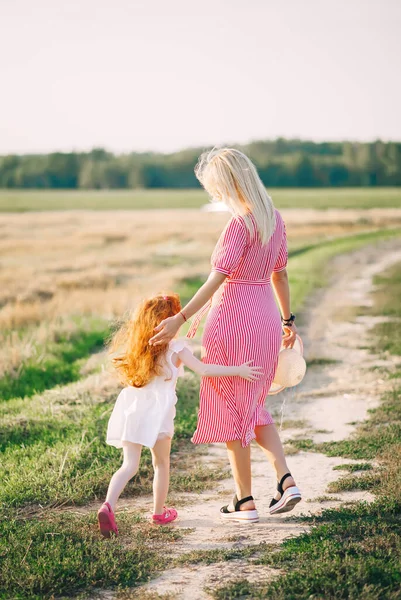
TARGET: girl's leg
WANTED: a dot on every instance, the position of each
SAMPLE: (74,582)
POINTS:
(161,479)
(268,439)
(240,461)
(132,455)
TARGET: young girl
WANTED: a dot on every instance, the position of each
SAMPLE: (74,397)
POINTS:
(144,411)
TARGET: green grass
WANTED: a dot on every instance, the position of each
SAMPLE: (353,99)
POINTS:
(63,553)
(321,361)
(352,552)
(365,482)
(353,467)
(25,201)
(57,364)
(324,498)
(188,287)
(294,424)
(28,200)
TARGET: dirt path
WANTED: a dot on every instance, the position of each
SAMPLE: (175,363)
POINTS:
(331,397)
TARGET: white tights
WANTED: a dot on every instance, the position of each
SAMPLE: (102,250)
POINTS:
(129,468)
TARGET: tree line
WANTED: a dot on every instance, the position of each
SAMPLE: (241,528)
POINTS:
(281,163)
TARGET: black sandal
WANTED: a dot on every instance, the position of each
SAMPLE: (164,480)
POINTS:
(289,497)
(243,516)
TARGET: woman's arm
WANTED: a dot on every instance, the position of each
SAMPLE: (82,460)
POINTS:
(281,289)
(246,371)
(168,328)
(204,294)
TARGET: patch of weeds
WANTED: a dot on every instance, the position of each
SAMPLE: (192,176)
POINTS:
(236,538)
(353,467)
(290,449)
(301,444)
(356,482)
(390,337)
(364,447)
(324,499)
(378,369)
(294,424)
(141,594)
(240,588)
(319,362)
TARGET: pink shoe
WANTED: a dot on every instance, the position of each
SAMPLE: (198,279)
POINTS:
(106,520)
(168,515)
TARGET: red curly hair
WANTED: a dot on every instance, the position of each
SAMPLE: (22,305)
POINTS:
(137,362)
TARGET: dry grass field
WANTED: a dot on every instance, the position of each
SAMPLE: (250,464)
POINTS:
(55,264)
(60,271)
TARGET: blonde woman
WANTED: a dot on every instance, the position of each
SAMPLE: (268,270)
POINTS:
(243,324)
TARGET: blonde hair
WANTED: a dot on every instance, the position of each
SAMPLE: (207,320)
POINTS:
(228,175)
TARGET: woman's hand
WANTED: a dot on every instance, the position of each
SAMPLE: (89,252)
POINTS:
(250,373)
(290,335)
(169,327)
(166,330)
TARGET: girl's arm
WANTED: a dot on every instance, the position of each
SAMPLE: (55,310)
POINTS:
(168,328)
(246,371)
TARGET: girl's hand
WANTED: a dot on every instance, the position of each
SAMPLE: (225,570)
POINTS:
(250,373)
(290,335)
(166,330)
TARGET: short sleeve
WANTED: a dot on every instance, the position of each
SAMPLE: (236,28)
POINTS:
(282,257)
(177,345)
(230,247)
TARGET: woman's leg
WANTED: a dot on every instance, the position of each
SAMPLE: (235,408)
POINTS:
(240,461)
(132,455)
(268,439)
(161,479)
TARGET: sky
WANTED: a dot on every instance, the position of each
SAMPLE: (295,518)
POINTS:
(137,75)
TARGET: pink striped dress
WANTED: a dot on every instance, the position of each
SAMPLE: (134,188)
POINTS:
(243,324)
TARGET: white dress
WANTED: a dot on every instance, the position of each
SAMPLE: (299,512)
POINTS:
(143,415)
